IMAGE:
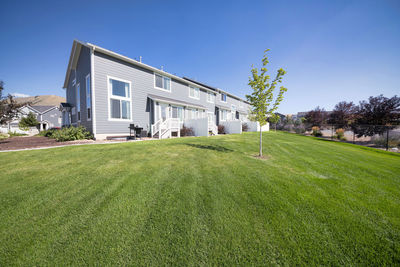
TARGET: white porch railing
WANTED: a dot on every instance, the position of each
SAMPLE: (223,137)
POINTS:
(165,128)
(212,127)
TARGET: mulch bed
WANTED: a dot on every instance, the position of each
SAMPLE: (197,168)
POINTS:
(34,142)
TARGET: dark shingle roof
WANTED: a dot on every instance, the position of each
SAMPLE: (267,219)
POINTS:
(42,109)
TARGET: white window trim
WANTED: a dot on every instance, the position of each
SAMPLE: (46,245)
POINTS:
(78,98)
(198,98)
(90,90)
(226,114)
(178,107)
(160,88)
(226,98)
(118,98)
(212,99)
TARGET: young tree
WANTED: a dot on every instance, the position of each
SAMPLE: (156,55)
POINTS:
(29,121)
(9,108)
(262,98)
(343,115)
(274,118)
(377,115)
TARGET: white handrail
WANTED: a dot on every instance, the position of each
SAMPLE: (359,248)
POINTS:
(168,124)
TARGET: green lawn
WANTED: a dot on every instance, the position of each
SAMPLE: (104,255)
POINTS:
(201,201)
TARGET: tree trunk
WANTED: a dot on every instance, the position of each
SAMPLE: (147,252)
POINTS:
(260,142)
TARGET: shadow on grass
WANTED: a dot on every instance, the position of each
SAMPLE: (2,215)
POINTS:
(211,147)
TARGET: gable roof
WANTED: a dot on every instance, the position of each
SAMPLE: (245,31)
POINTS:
(42,109)
(76,49)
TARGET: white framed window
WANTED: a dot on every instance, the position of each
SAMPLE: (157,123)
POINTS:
(78,101)
(223,114)
(88,98)
(162,82)
(119,95)
(194,92)
(210,116)
(177,112)
(210,97)
(192,113)
(223,97)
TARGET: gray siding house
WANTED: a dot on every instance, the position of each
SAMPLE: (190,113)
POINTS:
(106,92)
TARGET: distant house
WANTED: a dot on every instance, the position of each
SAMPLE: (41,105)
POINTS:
(48,117)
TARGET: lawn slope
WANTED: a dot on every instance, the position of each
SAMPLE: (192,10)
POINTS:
(201,201)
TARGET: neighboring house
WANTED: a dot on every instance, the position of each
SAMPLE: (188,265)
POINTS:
(106,92)
(47,116)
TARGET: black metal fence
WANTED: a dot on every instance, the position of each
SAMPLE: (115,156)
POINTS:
(378,136)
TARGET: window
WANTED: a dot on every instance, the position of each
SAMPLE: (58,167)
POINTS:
(78,100)
(233,112)
(210,117)
(210,97)
(194,92)
(120,101)
(88,98)
(162,82)
(192,113)
(223,97)
(177,113)
(240,104)
(223,114)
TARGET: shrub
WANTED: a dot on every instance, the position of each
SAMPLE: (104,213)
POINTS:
(299,130)
(186,131)
(48,133)
(245,127)
(11,134)
(315,131)
(340,134)
(68,134)
(3,136)
(29,121)
(221,129)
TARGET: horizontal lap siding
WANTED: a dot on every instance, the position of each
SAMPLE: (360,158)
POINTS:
(82,70)
(142,82)
(53,117)
(71,94)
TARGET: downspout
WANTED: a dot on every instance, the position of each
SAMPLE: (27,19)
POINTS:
(94,130)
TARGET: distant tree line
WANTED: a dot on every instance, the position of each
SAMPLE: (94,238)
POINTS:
(370,117)
(373,116)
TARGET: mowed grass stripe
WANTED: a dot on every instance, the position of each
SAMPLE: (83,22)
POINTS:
(201,201)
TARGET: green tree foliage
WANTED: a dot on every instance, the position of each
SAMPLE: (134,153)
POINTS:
(262,100)
(274,118)
(28,121)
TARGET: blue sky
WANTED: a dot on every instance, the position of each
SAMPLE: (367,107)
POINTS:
(331,50)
